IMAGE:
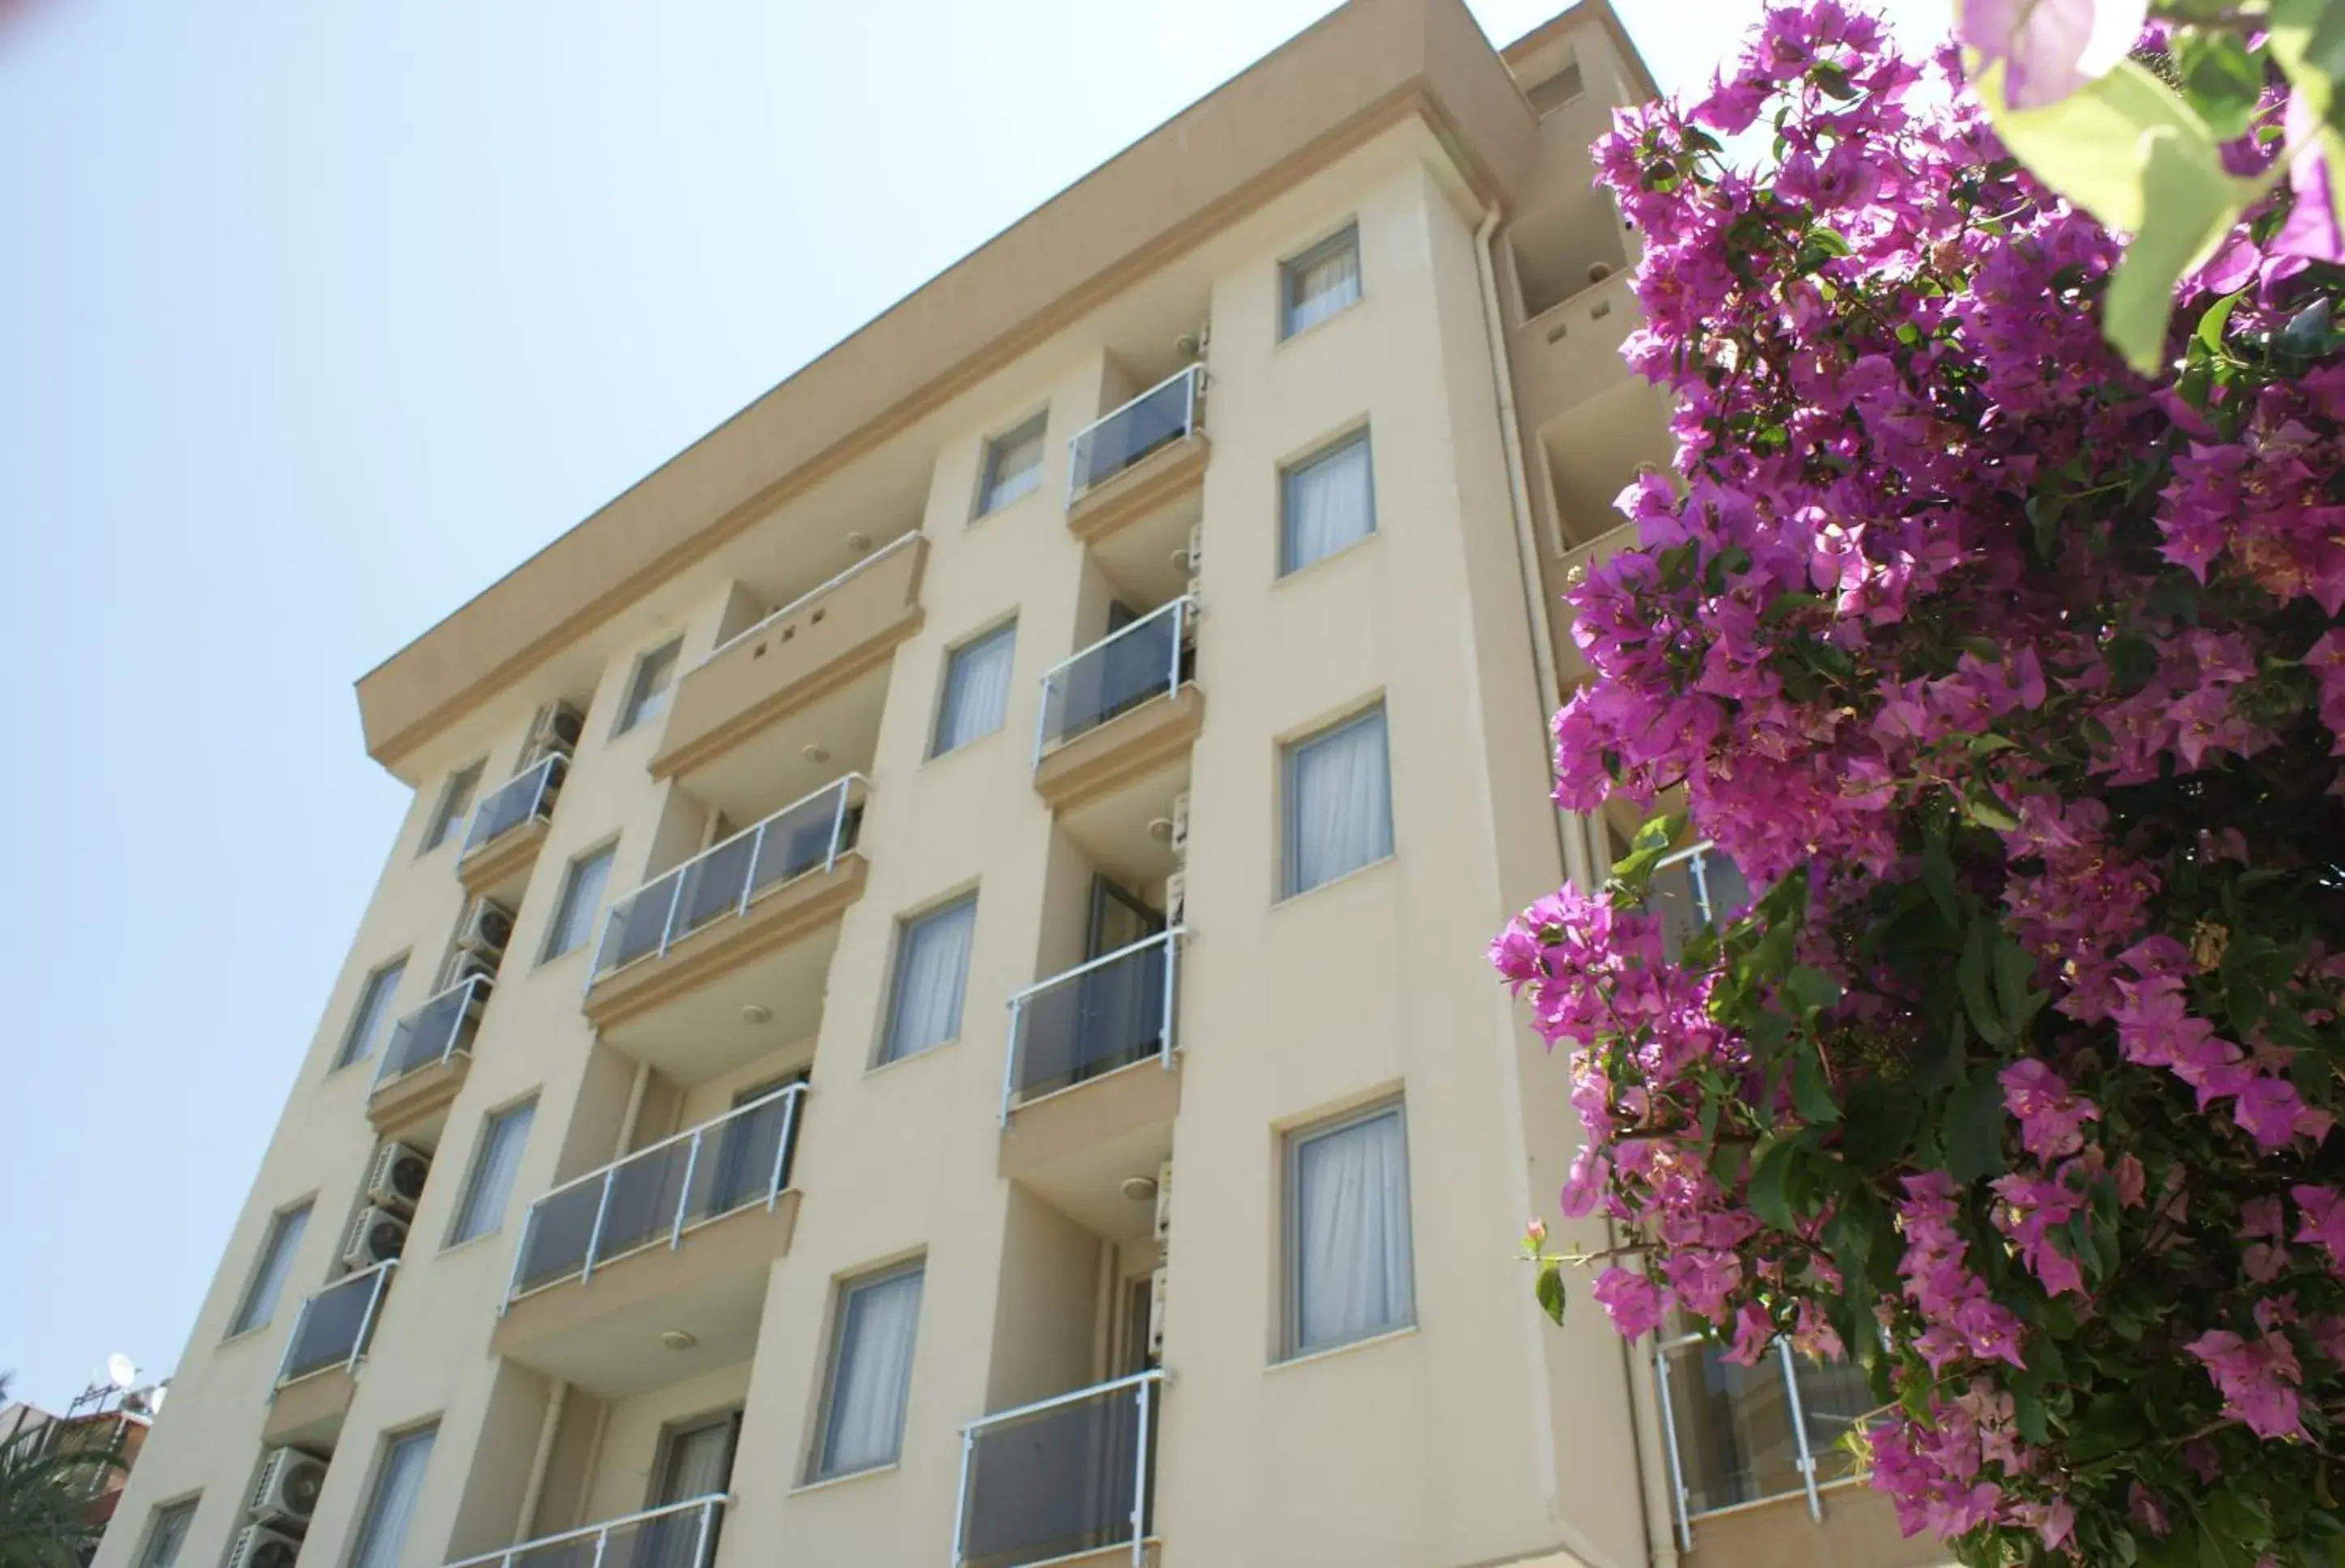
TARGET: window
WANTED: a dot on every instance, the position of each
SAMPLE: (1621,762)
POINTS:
(1321,282)
(931,969)
(168,1533)
(1735,1439)
(976,689)
(382,1531)
(455,800)
(1339,802)
(276,1250)
(1013,465)
(1326,501)
(648,688)
(1347,1232)
(368,1017)
(490,1185)
(582,896)
(870,1374)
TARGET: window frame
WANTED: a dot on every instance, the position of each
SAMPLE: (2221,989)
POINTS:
(1357,435)
(242,1321)
(817,1469)
(905,926)
(1292,1144)
(182,1508)
(953,655)
(1290,754)
(989,467)
(1292,266)
(448,813)
(494,1122)
(638,706)
(369,1519)
(608,852)
(348,1051)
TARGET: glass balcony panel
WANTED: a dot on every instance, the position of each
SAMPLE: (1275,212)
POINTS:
(526,794)
(645,1190)
(1152,421)
(1835,1399)
(1092,1022)
(1056,1481)
(1734,1437)
(1698,887)
(712,885)
(435,1031)
(1112,676)
(735,1167)
(334,1324)
(799,841)
(560,1227)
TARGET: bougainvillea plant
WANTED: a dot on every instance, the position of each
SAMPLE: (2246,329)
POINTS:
(2012,677)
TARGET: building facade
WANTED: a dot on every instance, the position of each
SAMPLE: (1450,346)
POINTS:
(931,1004)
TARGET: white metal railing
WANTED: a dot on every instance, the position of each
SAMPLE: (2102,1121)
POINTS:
(1165,413)
(1710,1482)
(901,542)
(436,1031)
(730,1163)
(676,1535)
(1059,1476)
(1118,672)
(725,878)
(529,793)
(335,1325)
(1111,1012)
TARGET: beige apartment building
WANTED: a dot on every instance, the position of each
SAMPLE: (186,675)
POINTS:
(929,1011)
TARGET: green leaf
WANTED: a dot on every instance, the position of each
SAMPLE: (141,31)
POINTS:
(2132,662)
(1973,1128)
(1770,1175)
(2192,205)
(2307,39)
(1971,974)
(2088,145)
(2215,317)
(1550,1289)
(1811,988)
(1938,870)
(1811,1092)
(2221,80)
(2012,970)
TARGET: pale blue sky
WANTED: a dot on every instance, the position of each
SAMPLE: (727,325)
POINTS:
(315,319)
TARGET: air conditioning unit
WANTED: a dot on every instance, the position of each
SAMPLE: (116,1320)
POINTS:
(487,927)
(1156,1294)
(1181,826)
(1165,1203)
(554,731)
(376,1237)
(286,1492)
(462,966)
(398,1177)
(1176,898)
(258,1546)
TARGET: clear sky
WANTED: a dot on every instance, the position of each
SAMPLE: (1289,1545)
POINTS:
(314,320)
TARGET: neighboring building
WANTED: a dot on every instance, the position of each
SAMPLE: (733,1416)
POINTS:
(104,1419)
(930,1005)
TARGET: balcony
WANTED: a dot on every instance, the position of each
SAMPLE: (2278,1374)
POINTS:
(828,649)
(675,1239)
(316,1376)
(1138,458)
(1089,1094)
(509,827)
(429,1052)
(679,1535)
(1122,708)
(1570,571)
(747,923)
(1069,1481)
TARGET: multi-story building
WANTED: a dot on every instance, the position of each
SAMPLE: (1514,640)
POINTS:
(930,1006)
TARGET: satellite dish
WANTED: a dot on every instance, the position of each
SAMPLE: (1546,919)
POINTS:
(155,1398)
(121,1370)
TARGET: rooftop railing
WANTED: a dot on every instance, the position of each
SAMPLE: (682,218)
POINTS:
(527,796)
(725,878)
(1117,673)
(1059,1477)
(679,1535)
(1109,1013)
(736,1162)
(901,542)
(336,1324)
(435,1032)
(1165,413)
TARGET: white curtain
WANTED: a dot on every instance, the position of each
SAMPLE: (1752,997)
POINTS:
(492,1173)
(1352,1274)
(1340,803)
(1323,284)
(977,690)
(284,1239)
(872,1374)
(396,1486)
(1013,466)
(931,971)
(1330,504)
(582,898)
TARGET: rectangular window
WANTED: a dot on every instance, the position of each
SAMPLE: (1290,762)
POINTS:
(371,1013)
(1324,502)
(1347,1232)
(382,1531)
(455,800)
(166,1535)
(276,1261)
(1339,802)
(870,1374)
(649,687)
(490,1185)
(976,689)
(1013,465)
(931,969)
(580,900)
(1321,282)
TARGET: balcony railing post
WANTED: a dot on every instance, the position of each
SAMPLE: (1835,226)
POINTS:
(1172,671)
(1799,1428)
(1139,1482)
(700,1544)
(961,1495)
(601,1539)
(676,898)
(291,1340)
(520,1255)
(1010,1062)
(1670,1431)
(750,873)
(1172,979)
(366,1323)
(1189,405)
(838,830)
(1042,717)
(791,1098)
(1700,875)
(684,1193)
(594,1237)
